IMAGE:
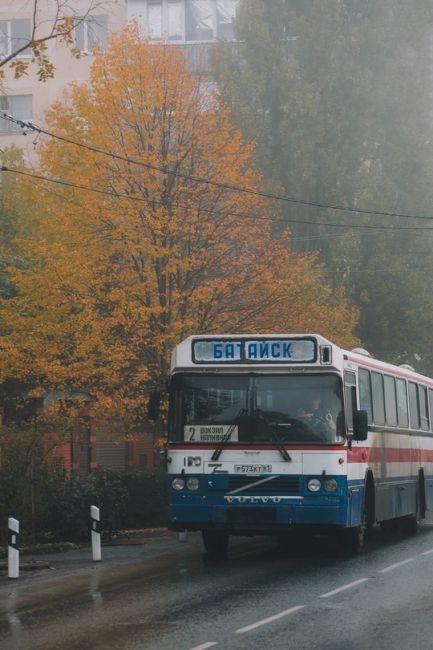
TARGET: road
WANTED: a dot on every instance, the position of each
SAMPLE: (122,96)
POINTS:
(164,595)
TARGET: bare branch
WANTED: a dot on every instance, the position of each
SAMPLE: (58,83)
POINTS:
(60,27)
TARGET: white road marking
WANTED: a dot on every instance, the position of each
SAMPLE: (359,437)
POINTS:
(292,610)
(396,565)
(264,621)
(343,588)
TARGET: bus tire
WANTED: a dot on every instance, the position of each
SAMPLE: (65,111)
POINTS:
(216,543)
(389,527)
(354,538)
(413,522)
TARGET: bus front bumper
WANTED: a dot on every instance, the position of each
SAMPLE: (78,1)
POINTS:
(329,511)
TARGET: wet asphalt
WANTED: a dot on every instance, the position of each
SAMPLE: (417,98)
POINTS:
(159,593)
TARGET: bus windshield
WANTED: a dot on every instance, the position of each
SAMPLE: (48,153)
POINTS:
(293,409)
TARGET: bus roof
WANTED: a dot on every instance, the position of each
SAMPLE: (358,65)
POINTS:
(277,352)
(255,350)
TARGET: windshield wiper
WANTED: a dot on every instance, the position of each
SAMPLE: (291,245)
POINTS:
(279,445)
(217,453)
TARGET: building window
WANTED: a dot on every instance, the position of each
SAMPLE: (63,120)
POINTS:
(226,13)
(91,31)
(154,20)
(14,34)
(19,107)
(175,31)
(184,20)
(200,20)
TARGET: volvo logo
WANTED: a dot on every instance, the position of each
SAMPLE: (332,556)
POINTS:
(257,499)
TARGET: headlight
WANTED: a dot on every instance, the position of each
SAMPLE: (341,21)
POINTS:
(178,484)
(314,485)
(330,485)
(193,483)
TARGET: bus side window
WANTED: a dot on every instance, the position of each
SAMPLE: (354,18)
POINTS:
(390,401)
(430,399)
(378,398)
(365,402)
(350,398)
(414,406)
(402,413)
(423,408)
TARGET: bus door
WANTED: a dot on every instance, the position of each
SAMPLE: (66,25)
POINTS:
(355,489)
(350,399)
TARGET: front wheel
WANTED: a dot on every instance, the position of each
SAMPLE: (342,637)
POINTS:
(353,539)
(216,543)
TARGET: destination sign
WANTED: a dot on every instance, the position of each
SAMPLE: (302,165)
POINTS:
(281,350)
(211,433)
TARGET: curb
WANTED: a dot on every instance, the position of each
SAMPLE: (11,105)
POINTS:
(122,538)
(34,565)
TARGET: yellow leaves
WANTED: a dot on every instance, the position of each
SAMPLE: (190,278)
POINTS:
(64,28)
(113,282)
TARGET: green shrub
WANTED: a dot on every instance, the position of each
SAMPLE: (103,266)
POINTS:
(147,498)
(133,499)
(67,504)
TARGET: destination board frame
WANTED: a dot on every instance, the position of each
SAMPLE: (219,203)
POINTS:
(243,360)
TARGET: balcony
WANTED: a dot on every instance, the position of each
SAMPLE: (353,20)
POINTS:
(199,55)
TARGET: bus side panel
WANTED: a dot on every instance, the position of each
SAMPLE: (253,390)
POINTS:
(395,499)
(429,492)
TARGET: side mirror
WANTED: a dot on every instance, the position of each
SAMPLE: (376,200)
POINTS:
(154,404)
(360,425)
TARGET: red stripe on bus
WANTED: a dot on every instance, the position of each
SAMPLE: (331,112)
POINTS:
(356,455)
(389,455)
(214,445)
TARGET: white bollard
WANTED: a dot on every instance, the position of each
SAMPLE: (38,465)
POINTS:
(182,536)
(96,535)
(13,550)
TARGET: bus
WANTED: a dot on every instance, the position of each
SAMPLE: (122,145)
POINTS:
(269,434)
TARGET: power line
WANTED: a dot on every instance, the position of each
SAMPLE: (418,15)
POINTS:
(198,179)
(228,212)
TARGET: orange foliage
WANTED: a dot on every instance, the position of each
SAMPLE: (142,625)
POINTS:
(114,280)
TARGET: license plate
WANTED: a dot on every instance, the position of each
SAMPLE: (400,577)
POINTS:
(253,469)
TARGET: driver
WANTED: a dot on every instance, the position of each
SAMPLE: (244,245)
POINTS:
(314,414)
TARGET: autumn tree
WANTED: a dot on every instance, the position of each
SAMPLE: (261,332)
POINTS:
(137,251)
(49,20)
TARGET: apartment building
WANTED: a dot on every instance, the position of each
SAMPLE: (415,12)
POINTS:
(195,25)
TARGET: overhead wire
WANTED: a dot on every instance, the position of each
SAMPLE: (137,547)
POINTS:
(311,238)
(227,212)
(198,179)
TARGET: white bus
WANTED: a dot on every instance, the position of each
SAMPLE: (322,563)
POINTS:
(268,433)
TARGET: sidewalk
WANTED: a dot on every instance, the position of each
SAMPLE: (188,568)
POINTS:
(135,536)
(126,547)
